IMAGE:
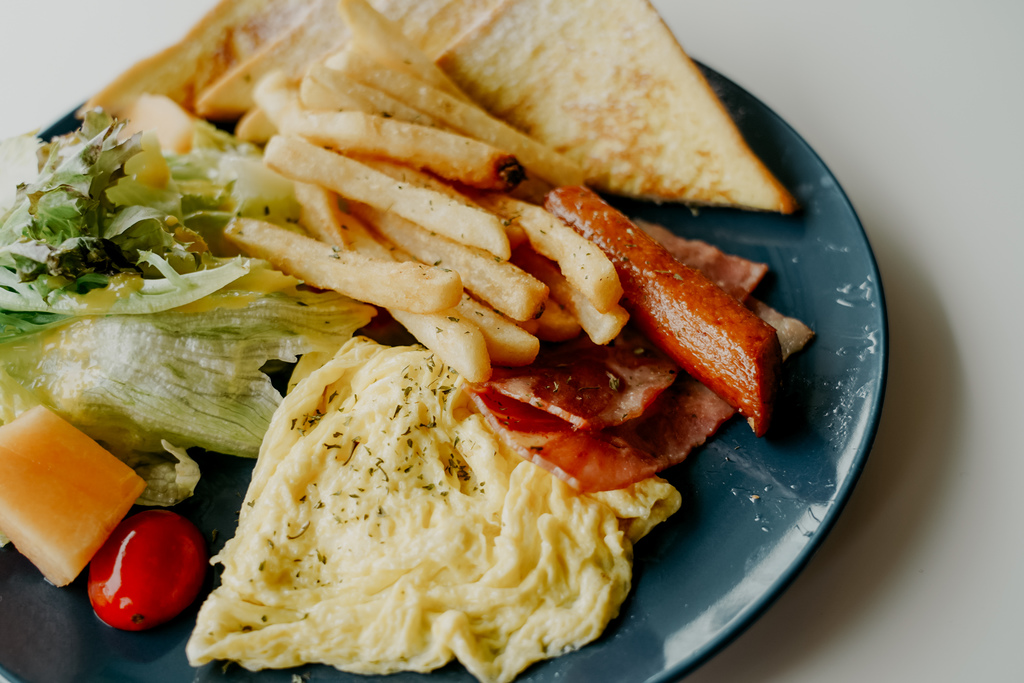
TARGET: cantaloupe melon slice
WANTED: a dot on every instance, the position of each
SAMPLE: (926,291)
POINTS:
(61,493)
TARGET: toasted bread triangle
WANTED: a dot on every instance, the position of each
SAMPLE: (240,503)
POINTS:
(606,83)
(213,69)
(228,35)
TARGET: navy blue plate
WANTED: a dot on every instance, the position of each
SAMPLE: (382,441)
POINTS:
(754,510)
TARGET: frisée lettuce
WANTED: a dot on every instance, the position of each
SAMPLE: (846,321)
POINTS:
(112,214)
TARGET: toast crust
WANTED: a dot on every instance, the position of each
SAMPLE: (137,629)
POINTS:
(605,83)
(227,35)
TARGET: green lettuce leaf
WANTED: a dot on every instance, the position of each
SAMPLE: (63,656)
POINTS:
(192,378)
(103,210)
(134,295)
(171,475)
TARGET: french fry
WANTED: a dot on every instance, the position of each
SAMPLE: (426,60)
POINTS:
(404,174)
(361,239)
(275,94)
(459,115)
(409,287)
(555,324)
(508,344)
(327,89)
(305,162)
(453,337)
(585,266)
(417,178)
(255,127)
(448,332)
(384,41)
(321,215)
(600,327)
(501,284)
(449,155)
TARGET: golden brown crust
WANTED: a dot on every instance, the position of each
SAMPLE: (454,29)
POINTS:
(605,83)
(229,34)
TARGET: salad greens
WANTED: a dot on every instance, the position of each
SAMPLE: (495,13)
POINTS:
(124,310)
(104,211)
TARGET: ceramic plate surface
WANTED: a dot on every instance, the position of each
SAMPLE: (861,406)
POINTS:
(754,510)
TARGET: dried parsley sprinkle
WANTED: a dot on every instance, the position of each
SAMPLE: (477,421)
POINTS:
(302,530)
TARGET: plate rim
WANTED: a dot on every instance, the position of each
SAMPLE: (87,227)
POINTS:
(757,608)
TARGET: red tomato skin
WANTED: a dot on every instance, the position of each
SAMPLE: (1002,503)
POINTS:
(148,571)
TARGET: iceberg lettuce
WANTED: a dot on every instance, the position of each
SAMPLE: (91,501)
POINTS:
(191,377)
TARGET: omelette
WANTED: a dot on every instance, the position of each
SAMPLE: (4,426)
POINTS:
(387,529)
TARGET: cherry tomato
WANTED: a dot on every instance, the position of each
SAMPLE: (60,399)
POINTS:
(148,571)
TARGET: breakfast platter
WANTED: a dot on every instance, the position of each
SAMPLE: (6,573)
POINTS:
(753,510)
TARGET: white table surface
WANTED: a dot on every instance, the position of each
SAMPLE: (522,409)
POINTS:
(918,109)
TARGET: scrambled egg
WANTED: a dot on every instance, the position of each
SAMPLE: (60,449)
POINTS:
(386,529)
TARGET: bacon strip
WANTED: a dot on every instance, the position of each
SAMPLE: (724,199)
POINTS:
(589,386)
(683,418)
(735,274)
(587,461)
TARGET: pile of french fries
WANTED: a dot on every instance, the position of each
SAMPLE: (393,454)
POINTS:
(418,201)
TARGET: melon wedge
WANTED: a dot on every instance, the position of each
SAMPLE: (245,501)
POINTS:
(61,493)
